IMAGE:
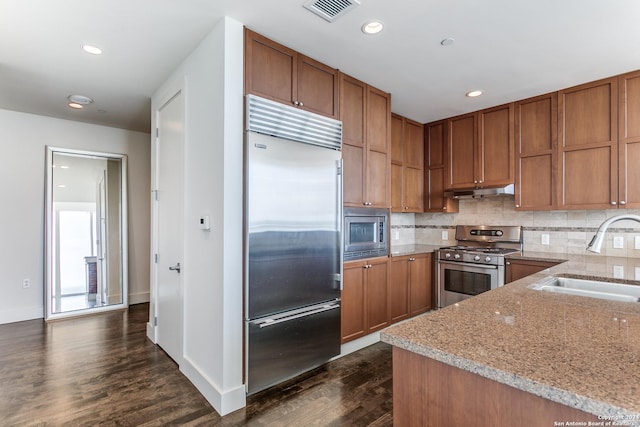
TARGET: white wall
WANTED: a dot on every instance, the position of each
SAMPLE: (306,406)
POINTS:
(212,80)
(23,138)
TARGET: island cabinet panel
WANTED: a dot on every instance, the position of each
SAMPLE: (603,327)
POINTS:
(519,268)
(428,393)
(536,139)
(629,140)
(366,120)
(276,72)
(588,146)
(436,167)
(365,307)
(481,149)
(407,165)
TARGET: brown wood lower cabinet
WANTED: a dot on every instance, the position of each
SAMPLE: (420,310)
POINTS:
(410,286)
(430,393)
(365,307)
(519,268)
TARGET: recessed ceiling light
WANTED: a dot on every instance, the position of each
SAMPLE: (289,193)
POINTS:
(91,49)
(447,42)
(473,93)
(80,99)
(61,186)
(75,105)
(64,167)
(372,27)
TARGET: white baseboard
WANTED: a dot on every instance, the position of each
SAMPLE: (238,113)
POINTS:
(139,298)
(21,314)
(224,402)
(358,344)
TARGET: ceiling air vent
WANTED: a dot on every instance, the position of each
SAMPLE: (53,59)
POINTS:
(330,10)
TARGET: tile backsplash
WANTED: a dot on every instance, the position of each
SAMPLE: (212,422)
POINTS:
(568,231)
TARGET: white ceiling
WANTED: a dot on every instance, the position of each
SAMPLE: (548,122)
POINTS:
(511,49)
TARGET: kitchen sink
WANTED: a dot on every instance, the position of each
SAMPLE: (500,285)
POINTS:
(590,288)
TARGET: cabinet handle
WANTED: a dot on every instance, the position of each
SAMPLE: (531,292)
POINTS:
(300,103)
(295,102)
(622,202)
(508,263)
(517,206)
(475,181)
(367,203)
(412,259)
(368,266)
(613,203)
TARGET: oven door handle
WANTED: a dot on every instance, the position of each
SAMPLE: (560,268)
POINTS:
(468,264)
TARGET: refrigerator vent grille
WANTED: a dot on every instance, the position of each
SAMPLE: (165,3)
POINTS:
(330,10)
(279,120)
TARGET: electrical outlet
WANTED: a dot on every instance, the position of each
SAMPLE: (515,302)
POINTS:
(445,235)
(637,273)
(396,235)
(544,239)
(26,283)
(637,242)
(618,272)
(618,242)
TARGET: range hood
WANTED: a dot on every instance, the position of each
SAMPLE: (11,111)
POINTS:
(478,193)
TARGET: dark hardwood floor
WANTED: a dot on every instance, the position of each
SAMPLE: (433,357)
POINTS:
(102,370)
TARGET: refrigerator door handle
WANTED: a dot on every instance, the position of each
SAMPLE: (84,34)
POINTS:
(270,322)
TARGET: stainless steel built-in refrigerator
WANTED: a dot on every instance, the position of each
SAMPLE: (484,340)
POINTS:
(293,241)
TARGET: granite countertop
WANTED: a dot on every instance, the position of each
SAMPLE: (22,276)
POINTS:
(401,250)
(578,351)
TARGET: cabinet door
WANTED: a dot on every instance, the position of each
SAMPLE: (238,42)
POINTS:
(495,141)
(353,321)
(536,129)
(421,285)
(397,163)
(413,188)
(397,188)
(270,68)
(378,140)
(435,169)
(518,268)
(588,146)
(377,308)
(352,113)
(462,149)
(629,140)
(317,87)
(397,139)
(399,289)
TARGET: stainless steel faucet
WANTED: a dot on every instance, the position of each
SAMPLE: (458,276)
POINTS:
(596,242)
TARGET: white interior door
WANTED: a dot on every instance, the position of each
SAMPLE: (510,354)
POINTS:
(169,208)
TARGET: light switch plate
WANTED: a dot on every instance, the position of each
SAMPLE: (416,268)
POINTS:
(618,272)
(618,242)
(544,239)
(637,242)
(637,273)
(445,235)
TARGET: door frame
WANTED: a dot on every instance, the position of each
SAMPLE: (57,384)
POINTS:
(173,90)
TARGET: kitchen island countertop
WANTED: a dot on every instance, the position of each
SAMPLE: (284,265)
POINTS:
(578,351)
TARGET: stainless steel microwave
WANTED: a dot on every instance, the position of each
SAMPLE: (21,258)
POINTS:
(366,233)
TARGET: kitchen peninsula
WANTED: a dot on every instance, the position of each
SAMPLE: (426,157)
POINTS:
(515,356)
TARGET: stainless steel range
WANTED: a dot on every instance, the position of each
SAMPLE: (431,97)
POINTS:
(477,264)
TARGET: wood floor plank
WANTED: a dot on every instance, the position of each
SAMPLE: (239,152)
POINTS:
(102,370)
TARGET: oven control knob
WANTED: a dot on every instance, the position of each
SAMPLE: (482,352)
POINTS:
(476,258)
(447,255)
(487,259)
(456,256)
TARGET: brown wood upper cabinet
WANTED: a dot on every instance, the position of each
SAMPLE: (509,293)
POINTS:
(436,165)
(588,146)
(407,165)
(366,139)
(629,140)
(276,72)
(480,149)
(536,130)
